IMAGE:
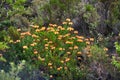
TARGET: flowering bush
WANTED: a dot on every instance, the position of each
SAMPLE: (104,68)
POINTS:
(54,49)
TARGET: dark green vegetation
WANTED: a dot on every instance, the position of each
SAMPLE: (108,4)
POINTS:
(59,39)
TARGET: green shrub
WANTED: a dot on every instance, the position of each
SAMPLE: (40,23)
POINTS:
(115,60)
(12,14)
(4,37)
(13,73)
(117,45)
(13,33)
(55,11)
(3,46)
(7,76)
(98,64)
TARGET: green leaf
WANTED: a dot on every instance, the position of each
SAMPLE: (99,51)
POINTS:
(9,1)
(2,59)
(3,46)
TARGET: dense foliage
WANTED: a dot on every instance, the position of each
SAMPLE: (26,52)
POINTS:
(59,39)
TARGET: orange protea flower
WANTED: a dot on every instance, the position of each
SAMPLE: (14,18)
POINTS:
(59,38)
(89,55)
(60,49)
(43,28)
(88,42)
(67,35)
(70,48)
(17,40)
(49,64)
(86,39)
(64,23)
(91,39)
(68,53)
(79,40)
(79,53)
(62,61)
(46,48)
(25,47)
(18,30)
(59,68)
(22,34)
(80,37)
(34,36)
(11,41)
(35,52)
(59,27)
(68,42)
(70,23)
(35,26)
(32,44)
(52,30)
(51,67)
(46,45)
(70,29)
(56,32)
(75,47)
(52,47)
(75,32)
(42,59)
(37,30)
(54,25)
(48,28)
(50,25)
(62,28)
(67,59)
(105,49)
(46,39)
(51,76)
(50,42)
(27,33)
(65,68)
(68,20)
(79,58)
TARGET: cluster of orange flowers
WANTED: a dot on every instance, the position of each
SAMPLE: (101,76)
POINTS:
(51,65)
(66,39)
(64,35)
(68,21)
(56,30)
